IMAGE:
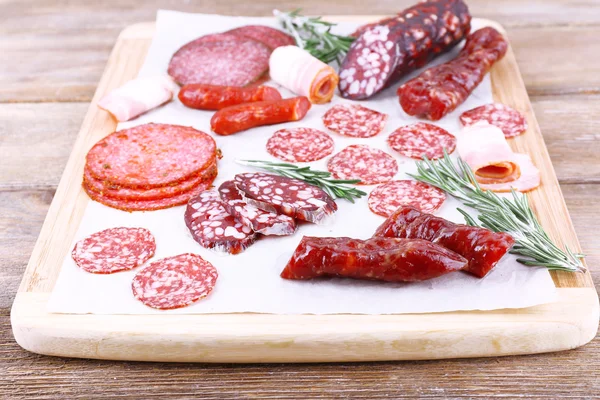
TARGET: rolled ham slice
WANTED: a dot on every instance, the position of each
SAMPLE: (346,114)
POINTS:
(484,148)
(138,96)
(297,70)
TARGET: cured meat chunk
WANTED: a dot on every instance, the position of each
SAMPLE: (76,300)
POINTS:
(440,89)
(354,120)
(222,59)
(386,51)
(202,180)
(113,250)
(384,259)
(151,155)
(360,161)
(385,199)
(271,37)
(213,227)
(174,282)
(512,122)
(212,97)
(422,140)
(297,70)
(300,145)
(481,247)
(260,221)
(245,116)
(147,205)
(282,195)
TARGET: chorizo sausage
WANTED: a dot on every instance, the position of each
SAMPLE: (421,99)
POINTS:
(214,97)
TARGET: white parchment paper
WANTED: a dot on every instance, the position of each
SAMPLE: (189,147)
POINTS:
(250,282)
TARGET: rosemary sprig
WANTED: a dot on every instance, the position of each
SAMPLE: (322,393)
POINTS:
(336,188)
(501,214)
(314,35)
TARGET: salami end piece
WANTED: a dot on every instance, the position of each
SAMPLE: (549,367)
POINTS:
(282,195)
(300,145)
(385,199)
(260,221)
(174,282)
(360,161)
(271,37)
(213,227)
(422,140)
(113,250)
(354,120)
(510,121)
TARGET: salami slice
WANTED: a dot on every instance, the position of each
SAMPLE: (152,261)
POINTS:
(113,250)
(422,139)
(271,37)
(300,145)
(385,199)
(225,59)
(213,227)
(151,155)
(174,282)
(360,161)
(259,221)
(354,120)
(282,195)
(147,205)
(512,122)
(204,179)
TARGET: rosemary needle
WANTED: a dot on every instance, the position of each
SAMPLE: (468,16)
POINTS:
(500,214)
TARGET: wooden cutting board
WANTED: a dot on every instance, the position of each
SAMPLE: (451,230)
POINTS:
(566,324)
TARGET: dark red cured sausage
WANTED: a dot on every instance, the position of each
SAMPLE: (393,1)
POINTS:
(174,282)
(440,89)
(481,247)
(212,97)
(260,221)
(384,259)
(282,195)
(271,37)
(245,116)
(113,250)
(387,51)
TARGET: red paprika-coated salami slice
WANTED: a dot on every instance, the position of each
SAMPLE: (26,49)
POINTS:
(300,145)
(385,199)
(354,120)
(271,37)
(422,139)
(510,121)
(213,227)
(222,59)
(260,221)
(113,250)
(360,161)
(151,155)
(282,195)
(174,282)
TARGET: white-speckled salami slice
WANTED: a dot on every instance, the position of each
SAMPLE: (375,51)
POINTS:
(385,199)
(113,250)
(354,120)
(422,139)
(260,221)
(362,162)
(222,59)
(300,145)
(174,282)
(213,227)
(282,195)
(510,121)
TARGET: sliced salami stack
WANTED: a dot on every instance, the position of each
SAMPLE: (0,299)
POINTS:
(150,167)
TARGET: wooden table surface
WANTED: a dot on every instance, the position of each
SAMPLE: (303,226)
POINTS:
(52,54)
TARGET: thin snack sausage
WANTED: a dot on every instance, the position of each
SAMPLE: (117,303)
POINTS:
(245,116)
(214,97)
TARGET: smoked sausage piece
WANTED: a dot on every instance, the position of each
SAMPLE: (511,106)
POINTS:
(380,258)
(213,97)
(481,247)
(238,118)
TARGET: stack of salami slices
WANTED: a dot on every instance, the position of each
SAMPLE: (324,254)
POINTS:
(150,167)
